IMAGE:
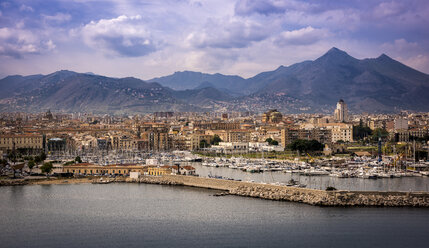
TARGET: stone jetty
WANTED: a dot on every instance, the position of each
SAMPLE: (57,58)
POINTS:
(294,194)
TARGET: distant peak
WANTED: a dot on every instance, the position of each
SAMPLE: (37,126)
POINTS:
(64,72)
(384,56)
(281,67)
(335,50)
(335,54)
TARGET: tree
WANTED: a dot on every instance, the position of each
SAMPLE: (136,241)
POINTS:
(272,142)
(216,139)
(40,158)
(31,165)
(379,133)
(37,159)
(43,156)
(3,162)
(361,132)
(12,156)
(305,145)
(47,168)
(204,144)
(78,159)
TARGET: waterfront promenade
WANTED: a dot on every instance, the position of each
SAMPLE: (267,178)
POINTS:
(295,194)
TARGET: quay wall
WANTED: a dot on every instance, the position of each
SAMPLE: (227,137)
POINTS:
(294,194)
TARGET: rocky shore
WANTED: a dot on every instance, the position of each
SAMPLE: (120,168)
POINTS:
(43,181)
(294,194)
(335,198)
(15,182)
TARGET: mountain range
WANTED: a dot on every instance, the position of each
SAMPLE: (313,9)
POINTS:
(375,85)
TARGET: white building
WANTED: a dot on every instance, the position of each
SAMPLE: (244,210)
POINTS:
(231,147)
(264,146)
(401,124)
(341,112)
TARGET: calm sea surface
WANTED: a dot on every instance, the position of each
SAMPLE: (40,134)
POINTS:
(133,215)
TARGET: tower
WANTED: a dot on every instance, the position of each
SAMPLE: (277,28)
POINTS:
(340,114)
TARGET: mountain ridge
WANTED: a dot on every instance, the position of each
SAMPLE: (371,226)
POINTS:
(379,84)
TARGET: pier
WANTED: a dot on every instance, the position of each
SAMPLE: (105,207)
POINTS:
(295,194)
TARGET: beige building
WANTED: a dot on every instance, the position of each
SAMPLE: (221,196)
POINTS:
(21,141)
(192,141)
(239,135)
(308,132)
(272,116)
(93,169)
(340,131)
(216,125)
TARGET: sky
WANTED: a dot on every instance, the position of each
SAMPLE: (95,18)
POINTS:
(146,39)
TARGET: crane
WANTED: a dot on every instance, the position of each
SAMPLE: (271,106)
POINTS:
(311,158)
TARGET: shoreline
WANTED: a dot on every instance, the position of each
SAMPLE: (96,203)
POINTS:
(45,181)
(256,190)
(337,198)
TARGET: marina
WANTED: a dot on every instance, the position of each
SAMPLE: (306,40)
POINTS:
(359,173)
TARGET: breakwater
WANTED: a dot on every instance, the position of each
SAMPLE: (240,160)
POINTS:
(294,194)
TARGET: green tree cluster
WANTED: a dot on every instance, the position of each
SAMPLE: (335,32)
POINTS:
(47,168)
(305,145)
(40,158)
(215,140)
(31,164)
(272,141)
(379,133)
(204,144)
(361,132)
(78,159)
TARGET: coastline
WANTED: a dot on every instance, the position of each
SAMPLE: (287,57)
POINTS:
(337,198)
(44,181)
(256,190)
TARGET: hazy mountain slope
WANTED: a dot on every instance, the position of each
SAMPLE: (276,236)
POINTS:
(69,91)
(13,85)
(190,80)
(371,85)
(374,85)
(201,96)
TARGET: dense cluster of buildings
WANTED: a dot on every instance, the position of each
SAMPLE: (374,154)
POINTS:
(220,132)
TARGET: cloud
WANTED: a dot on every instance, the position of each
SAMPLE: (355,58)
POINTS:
(419,62)
(303,36)
(16,43)
(228,33)
(400,46)
(270,7)
(410,53)
(25,8)
(248,7)
(238,37)
(387,9)
(58,17)
(124,36)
